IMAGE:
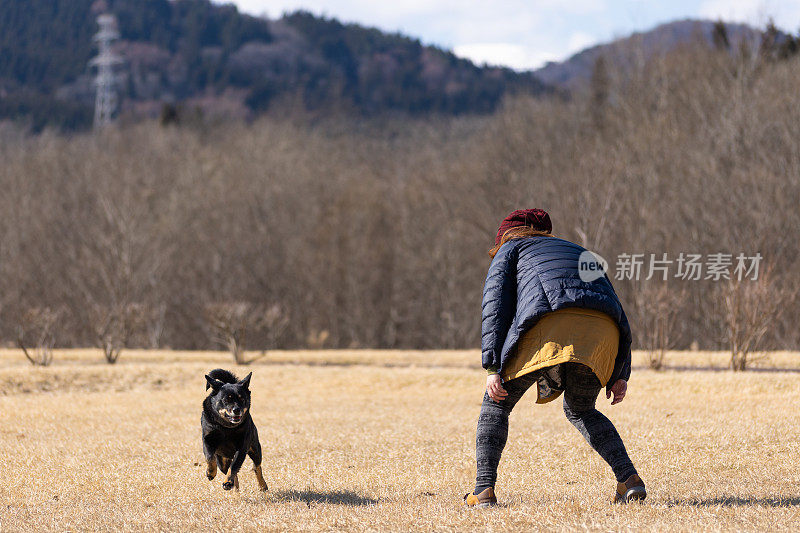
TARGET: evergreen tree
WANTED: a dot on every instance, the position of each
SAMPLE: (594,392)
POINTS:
(719,36)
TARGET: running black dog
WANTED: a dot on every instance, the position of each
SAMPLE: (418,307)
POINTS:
(228,430)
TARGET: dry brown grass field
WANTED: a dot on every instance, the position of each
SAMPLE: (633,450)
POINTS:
(377,441)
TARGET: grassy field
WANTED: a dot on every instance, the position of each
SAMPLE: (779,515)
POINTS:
(375,441)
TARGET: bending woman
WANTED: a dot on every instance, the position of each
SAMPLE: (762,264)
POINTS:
(545,326)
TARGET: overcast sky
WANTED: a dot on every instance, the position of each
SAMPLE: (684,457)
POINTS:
(524,34)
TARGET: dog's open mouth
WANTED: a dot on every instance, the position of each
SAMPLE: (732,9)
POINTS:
(230,417)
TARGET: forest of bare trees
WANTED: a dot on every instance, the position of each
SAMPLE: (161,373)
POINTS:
(340,233)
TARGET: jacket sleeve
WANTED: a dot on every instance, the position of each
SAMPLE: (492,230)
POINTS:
(499,304)
(622,365)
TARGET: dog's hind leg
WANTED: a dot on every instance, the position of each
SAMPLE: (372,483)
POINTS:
(262,485)
(255,455)
(236,482)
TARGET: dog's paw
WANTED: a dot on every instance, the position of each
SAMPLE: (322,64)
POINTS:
(210,475)
(228,485)
(263,488)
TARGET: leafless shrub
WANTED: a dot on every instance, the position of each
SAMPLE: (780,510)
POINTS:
(658,306)
(316,339)
(751,308)
(116,326)
(36,334)
(274,321)
(230,321)
(156,324)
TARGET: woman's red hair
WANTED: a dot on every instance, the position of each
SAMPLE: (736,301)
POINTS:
(517,232)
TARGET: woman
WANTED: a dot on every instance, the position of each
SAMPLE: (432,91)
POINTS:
(543,325)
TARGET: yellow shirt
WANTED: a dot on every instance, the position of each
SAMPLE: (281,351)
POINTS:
(573,334)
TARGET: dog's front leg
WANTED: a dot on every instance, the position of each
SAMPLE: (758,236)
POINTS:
(211,461)
(211,468)
(231,479)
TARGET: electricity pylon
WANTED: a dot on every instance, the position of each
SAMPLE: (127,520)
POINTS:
(105,104)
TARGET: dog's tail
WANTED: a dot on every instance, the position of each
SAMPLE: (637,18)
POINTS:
(221,375)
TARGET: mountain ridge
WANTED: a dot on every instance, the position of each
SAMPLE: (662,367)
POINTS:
(576,70)
(195,54)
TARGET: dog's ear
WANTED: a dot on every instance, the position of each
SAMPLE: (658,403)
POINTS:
(214,384)
(246,381)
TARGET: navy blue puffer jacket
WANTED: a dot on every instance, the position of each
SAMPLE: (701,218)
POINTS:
(537,275)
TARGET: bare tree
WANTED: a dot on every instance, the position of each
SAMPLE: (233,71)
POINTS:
(155,326)
(317,338)
(36,334)
(751,308)
(275,322)
(116,326)
(229,323)
(658,311)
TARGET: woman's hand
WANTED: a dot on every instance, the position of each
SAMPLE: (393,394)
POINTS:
(494,388)
(619,388)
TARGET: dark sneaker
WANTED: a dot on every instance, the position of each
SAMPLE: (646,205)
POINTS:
(630,490)
(479,501)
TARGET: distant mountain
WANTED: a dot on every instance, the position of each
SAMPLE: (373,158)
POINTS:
(577,70)
(199,54)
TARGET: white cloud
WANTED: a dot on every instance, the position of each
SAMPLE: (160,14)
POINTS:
(574,7)
(578,41)
(511,55)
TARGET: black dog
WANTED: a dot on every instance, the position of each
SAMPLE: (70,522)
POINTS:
(228,430)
